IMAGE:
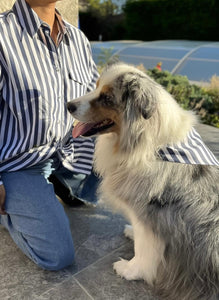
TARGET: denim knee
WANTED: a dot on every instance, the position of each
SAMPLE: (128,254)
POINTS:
(59,258)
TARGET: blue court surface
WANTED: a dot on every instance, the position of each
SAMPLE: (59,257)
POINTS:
(198,60)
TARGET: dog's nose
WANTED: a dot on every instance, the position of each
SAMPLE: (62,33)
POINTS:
(71,107)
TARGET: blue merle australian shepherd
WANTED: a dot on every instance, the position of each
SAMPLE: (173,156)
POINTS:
(156,170)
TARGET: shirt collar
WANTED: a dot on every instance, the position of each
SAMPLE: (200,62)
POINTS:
(30,21)
(61,23)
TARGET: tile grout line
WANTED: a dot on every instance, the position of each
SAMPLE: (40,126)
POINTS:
(83,288)
(73,275)
(57,285)
(99,259)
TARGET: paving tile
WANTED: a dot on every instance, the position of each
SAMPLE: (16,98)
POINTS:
(68,289)
(96,232)
(210,136)
(20,278)
(101,282)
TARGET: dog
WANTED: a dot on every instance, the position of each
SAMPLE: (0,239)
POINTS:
(171,205)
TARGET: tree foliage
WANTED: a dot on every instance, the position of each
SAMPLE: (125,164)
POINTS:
(154,19)
(168,19)
(101,8)
(97,19)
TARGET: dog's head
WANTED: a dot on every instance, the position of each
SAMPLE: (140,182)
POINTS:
(123,95)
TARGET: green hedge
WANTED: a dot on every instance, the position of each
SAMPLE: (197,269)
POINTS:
(172,19)
(205,102)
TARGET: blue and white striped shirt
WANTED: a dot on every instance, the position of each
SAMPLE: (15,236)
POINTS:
(37,78)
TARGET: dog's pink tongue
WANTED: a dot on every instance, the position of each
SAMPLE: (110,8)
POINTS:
(80,128)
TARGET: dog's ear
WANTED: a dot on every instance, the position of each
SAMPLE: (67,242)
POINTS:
(138,95)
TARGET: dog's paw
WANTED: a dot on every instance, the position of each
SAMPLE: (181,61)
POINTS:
(128,232)
(127,269)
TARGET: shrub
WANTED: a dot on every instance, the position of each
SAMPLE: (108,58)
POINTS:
(204,101)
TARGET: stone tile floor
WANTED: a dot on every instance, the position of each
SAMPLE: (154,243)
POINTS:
(99,241)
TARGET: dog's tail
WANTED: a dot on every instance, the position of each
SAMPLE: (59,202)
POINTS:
(191,267)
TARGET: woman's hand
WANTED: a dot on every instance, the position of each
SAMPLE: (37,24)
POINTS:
(2,200)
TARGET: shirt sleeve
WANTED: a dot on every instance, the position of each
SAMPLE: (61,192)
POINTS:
(1,73)
(1,86)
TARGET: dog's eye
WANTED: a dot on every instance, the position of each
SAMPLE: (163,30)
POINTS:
(106,99)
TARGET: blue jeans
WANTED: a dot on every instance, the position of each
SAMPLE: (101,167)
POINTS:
(36,220)
(81,186)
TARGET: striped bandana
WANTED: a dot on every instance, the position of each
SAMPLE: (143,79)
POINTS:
(191,151)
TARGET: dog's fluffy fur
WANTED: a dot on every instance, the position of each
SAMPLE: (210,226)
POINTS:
(172,207)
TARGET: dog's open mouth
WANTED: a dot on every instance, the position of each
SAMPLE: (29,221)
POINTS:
(89,129)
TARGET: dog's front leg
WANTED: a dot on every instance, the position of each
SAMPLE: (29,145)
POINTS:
(149,251)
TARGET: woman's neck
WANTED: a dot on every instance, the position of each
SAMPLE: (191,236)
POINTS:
(46,12)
